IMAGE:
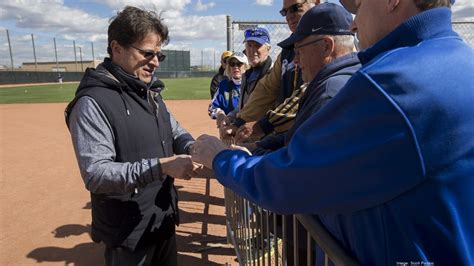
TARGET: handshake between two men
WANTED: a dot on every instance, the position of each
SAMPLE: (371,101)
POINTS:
(199,163)
(206,147)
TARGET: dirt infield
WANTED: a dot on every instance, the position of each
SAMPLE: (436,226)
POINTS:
(45,209)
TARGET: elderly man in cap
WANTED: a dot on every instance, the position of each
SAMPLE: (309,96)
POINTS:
(257,48)
(274,103)
(387,164)
(324,48)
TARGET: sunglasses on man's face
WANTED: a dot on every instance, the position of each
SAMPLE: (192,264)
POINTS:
(149,55)
(235,64)
(291,9)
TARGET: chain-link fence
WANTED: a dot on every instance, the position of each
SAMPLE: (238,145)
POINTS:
(279,31)
(33,52)
(466,31)
(21,51)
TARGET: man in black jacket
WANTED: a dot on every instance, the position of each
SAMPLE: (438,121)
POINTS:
(125,141)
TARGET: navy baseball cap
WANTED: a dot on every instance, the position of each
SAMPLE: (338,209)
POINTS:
(350,5)
(325,18)
(259,35)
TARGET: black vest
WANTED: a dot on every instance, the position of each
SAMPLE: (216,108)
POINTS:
(140,132)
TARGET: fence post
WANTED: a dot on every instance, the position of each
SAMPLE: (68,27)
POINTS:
(34,52)
(75,56)
(214,61)
(93,55)
(229,33)
(56,55)
(80,55)
(202,60)
(10,48)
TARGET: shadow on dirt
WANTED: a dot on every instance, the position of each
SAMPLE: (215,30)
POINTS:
(199,245)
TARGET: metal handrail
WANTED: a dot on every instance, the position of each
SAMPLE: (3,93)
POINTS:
(326,241)
(249,229)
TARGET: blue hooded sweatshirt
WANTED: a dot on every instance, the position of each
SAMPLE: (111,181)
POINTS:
(388,163)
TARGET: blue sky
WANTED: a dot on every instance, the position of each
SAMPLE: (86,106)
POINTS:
(195,25)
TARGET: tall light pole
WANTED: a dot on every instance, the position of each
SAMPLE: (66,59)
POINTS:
(10,49)
(214,63)
(34,51)
(75,56)
(80,56)
(56,55)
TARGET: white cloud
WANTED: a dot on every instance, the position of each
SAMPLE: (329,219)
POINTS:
(203,7)
(463,10)
(175,5)
(51,16)
(196,27)
(264,2)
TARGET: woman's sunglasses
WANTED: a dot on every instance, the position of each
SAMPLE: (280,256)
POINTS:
(235,64)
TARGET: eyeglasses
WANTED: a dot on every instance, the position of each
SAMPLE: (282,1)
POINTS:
(150,55)
(235,64)
(292,9)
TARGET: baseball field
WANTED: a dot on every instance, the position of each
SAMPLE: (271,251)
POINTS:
(44,206)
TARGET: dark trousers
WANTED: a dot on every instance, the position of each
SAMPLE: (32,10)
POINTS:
(161,251)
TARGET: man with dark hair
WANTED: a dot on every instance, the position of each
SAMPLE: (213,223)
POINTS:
(125,140)
(388,164)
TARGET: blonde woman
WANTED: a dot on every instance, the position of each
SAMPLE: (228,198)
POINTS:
(227,96)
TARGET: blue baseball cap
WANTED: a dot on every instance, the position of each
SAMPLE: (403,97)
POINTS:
(259,35)
(325,18)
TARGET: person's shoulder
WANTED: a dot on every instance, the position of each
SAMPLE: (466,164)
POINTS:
(81,108)
(224,84)
(216,76)
(334,84)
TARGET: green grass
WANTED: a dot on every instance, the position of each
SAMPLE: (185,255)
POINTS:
(176,89)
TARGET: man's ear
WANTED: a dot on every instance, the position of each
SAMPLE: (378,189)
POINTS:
(329,46)
(392,5)
(116,48)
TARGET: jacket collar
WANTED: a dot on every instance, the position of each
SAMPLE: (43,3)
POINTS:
(333,67)
(426,25)
(132,82)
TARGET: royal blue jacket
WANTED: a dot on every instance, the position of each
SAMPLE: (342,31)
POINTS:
(327,83)
(226,98)
(387,164)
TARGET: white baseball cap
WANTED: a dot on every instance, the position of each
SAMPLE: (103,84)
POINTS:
(239,56)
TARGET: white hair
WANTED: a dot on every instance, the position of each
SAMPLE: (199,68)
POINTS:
(344,41)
